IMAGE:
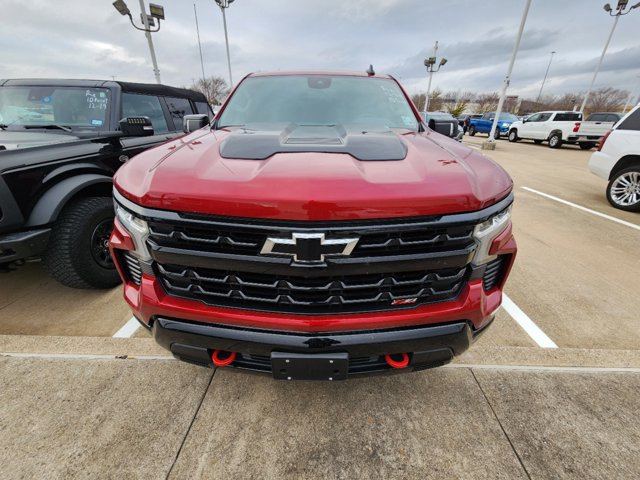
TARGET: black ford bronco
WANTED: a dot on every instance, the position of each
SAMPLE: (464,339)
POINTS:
(61,141)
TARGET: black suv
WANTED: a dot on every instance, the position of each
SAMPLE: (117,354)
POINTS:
(61,141)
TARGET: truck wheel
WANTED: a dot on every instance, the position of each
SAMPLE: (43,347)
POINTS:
(555,140)
(472,130)
(78,254)
(537,142)
(496,134)
(586,145)
(513,136)
(623,191)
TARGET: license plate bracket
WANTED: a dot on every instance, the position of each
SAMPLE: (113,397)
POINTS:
(310,366)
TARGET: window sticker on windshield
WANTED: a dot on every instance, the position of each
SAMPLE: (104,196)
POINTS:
(96,100)
(97,123)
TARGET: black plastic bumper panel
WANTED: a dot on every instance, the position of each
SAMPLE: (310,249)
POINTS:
(428,346)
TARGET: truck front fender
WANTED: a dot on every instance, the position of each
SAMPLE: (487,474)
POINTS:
(53,201)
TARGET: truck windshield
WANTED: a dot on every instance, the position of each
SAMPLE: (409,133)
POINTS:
(368,103)
(48,107)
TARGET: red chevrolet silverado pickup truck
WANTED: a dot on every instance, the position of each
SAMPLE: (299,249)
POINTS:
(315,230)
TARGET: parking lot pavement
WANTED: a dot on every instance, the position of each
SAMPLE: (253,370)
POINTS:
(79,418)
(32,303)
(77,403)
(576,273)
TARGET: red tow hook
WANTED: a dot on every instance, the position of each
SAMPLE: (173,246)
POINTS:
(222,358)
(402,363)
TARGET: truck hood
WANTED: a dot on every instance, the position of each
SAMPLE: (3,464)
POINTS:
(435,175)
(10,140)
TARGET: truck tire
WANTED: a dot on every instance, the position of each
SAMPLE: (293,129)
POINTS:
(513,135)
(77,255)
(496,134)
(472,130)
(537,142)
(586,145)
(623,191)
(555,140)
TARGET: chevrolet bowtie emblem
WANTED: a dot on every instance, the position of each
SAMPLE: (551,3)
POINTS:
(309,247)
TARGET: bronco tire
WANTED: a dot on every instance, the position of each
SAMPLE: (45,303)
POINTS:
(78,254)
(513,136)
(472,130)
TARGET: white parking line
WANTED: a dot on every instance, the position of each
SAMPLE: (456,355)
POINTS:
(526,323)
(128,329)
(471,145)
(544,368)
(584,209)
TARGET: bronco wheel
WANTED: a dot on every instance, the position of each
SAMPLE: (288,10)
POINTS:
(555,140)
(623,191)
(78,252)
(496,134)
(472,130)
(513,136)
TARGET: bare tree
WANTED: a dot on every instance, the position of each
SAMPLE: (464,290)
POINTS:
(435,100)
(487,102)
(214,88)
(607,99)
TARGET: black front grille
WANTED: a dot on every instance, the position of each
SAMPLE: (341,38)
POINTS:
(493,273)
(247,238)
(308,295)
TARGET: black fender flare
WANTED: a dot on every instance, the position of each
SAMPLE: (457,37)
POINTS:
(556,131)
(54,200)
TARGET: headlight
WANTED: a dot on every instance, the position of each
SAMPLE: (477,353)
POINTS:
(487,231)
(505,124)
(137,228)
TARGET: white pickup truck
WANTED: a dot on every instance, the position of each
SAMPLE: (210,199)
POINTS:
(553,127)
(594,128)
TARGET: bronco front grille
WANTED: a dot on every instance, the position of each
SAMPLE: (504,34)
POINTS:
(304,295)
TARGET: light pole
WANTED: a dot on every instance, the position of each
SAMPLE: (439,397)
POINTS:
(224,4)
(155,11)
(490,144)
(545,77)
(430,64)
(204,80)
(620,10)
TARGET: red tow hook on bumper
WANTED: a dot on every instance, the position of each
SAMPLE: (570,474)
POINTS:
(401,363)
(222,359)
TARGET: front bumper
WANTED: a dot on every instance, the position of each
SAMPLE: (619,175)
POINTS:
(17,246)
(427,346)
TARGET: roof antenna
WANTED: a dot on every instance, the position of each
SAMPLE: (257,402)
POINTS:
(370,71)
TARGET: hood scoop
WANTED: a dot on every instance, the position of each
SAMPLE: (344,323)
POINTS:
(245,144)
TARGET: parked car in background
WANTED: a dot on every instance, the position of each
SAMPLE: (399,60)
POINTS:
(591,131)
(484,123)
(464,120)
(443,123)
(618,161)
(555,127)
(60,143)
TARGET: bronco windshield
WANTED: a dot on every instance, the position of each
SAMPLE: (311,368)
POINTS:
(47,106)
(319,100)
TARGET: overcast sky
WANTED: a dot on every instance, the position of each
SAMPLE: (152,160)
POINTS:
(89,39)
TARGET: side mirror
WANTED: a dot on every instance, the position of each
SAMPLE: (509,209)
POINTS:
(191,123)
(136,127)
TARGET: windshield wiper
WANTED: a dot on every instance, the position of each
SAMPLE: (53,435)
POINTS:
(51,126)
